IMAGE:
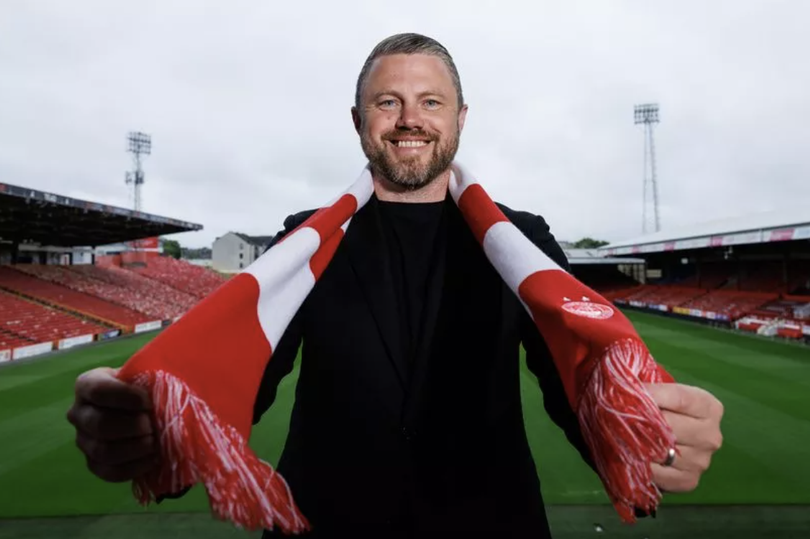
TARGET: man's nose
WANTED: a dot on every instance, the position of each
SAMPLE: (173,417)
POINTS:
(409,117)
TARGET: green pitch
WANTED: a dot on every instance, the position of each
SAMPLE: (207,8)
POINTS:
(758,485)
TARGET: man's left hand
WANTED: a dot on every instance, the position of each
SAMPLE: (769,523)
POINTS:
(694,416)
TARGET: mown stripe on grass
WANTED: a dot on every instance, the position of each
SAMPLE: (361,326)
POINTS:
(780,394)
(780,359)
(650,325)
(33,433)
(41,382)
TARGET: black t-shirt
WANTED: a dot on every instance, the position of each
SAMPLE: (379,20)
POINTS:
(411,231)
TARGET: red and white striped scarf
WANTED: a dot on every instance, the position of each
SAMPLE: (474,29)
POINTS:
(203,372)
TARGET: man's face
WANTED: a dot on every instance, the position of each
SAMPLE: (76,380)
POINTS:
(409,123)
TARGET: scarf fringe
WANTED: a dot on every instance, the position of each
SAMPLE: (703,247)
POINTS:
(624,428)
(197,448)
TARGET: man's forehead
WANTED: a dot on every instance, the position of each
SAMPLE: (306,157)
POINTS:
(409,68)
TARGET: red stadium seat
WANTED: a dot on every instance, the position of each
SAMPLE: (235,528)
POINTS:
(24,322)
(127,288)
(22,279)
(182,276)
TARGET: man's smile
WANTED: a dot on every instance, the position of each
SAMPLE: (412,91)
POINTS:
(409,146)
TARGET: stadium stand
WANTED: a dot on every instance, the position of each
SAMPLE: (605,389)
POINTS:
(799,278)
(31,323)
(732,303)
(797,308)
(52,220)
(602,277)
(94,287)
(619,294)
(712,275)
(802,312)
(163,301)
(54,294)
(119,297)
(117,286)
(185,277)
(9,341)
(66,298)
(671,296)
(764,276)
(750,273)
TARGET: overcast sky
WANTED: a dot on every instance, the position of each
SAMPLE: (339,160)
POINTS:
(248,104)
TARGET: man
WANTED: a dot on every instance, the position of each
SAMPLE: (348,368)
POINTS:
(408,419)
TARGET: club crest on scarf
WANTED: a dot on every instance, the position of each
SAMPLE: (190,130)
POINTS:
(203,372)
(588,309)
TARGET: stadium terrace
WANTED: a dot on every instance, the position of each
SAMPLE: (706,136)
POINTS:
(750,273)
(73,272)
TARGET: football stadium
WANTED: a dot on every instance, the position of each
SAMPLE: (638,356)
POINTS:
(723,305)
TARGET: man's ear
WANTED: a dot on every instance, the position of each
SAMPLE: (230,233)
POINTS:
(357,119)
(462,117)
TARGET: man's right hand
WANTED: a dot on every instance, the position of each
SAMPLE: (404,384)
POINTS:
(113,426)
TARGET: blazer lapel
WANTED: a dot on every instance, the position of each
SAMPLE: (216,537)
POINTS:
(368,254)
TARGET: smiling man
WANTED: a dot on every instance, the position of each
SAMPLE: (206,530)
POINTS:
(407,421)
(409,120)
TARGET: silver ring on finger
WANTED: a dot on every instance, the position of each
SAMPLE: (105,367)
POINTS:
(670,457)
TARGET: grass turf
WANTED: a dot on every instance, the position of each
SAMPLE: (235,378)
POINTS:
(757,485)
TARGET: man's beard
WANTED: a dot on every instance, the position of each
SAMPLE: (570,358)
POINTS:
(410,174)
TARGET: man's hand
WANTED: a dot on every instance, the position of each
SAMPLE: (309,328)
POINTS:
(694,416)
(113,426)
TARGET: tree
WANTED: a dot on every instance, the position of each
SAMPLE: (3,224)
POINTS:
(589,243)
(171,248)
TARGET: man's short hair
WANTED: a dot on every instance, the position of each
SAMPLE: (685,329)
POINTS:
(409,43)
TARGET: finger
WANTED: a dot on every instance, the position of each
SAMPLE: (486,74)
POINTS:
(109,425)
(123,472)
(671,479)
(687,429)
(702,434)
(101,388)
(687,400)
(117,452)
(690,459)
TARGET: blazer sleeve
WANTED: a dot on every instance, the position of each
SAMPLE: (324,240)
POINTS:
(538,356)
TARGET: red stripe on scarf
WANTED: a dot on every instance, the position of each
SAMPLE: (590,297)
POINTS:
(208,339)
(327,222)
(323,255)
(479,211)
(577,334)
(328,218)
(327,225)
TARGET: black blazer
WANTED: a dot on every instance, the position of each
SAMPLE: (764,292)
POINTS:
(379,448)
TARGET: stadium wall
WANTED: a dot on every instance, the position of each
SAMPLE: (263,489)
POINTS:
(39,349)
